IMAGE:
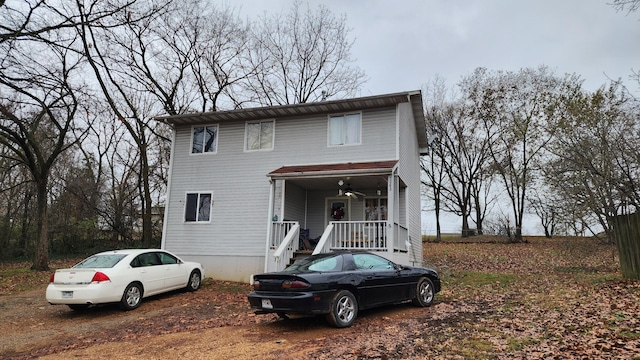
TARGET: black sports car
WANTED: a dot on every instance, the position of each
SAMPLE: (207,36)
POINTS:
(339,284)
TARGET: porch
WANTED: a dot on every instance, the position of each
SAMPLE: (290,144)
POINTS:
(347,206)
(374,236)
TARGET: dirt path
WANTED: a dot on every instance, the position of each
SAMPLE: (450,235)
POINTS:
(207,324)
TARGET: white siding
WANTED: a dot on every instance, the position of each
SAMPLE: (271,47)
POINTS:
(239,215)
(409,171)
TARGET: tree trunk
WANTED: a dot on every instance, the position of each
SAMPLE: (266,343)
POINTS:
(517,238)
(41,259)
(438,227)
(147,226)
(465,226)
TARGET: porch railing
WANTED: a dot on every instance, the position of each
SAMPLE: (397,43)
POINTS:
(284,242)
(400,237)
(279,230)
(354,235)
(338,235)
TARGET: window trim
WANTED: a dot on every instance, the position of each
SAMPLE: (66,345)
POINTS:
(344,115)
(246,134)
(196,221)
(192,138)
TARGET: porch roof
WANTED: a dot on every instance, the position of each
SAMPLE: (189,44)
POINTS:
(360,168)
(359,175)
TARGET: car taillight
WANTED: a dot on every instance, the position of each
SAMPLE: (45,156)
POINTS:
(100,277)
(295,284)
(51,278)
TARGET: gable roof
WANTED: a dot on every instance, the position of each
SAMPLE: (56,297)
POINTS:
(323,107)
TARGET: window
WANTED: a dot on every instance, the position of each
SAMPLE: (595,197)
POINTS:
(370,261)
(259,135)
(204,139)
(198,207)
(147,259)
(375,209)
(344,129)
(167,259)
(322,264)
(100,261)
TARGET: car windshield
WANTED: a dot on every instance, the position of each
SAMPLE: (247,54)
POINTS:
(322,264)
(100,261)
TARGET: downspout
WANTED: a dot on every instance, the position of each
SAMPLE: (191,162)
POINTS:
(269,224)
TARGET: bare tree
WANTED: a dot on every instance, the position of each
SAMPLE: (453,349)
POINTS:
(626,5)
(434,179)
(39,105)
(596,158)
(548,209)
(515,111)
(465,158)
(302,56)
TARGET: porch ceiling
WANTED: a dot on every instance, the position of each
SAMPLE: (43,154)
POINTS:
(360,175)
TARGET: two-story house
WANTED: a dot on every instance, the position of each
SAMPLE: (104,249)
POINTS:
(246,186)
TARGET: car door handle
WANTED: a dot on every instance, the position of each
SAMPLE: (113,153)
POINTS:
(369,277)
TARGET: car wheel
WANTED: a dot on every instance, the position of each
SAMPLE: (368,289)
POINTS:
(132,297)
(78,307)
(344,309)
(194,281)
(424,292)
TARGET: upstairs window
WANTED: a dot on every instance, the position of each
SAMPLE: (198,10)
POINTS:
(198,207)
(259,135)
(344,129)
(204,139)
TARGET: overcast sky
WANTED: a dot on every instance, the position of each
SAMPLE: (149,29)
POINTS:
(403,44)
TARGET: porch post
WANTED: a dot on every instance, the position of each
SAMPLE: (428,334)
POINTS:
(391,199)
(269,224)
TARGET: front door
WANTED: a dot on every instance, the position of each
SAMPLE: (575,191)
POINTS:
(337,209)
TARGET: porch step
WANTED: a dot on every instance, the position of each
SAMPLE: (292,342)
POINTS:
(300,254)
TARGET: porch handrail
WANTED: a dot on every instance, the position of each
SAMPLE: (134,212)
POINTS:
(323,243)
(400,237)
(288,247)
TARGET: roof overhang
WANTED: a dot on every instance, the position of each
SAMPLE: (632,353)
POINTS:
(305,109)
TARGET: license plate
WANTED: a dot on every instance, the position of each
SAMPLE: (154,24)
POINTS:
(266,304)
(67,294)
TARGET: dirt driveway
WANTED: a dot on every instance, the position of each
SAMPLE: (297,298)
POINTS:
(212,323)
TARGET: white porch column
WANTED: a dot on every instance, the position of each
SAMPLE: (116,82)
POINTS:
(391,211)
(269,224)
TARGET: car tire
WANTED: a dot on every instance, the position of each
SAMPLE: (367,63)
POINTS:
(78,307)
(424,293)
(344,309)
(132,297)
(195,279)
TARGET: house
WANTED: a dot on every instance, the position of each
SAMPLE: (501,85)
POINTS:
(246,186)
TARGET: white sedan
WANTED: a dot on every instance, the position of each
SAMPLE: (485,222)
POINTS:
(122,276)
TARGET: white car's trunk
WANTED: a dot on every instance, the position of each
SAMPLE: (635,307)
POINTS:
(73,276)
